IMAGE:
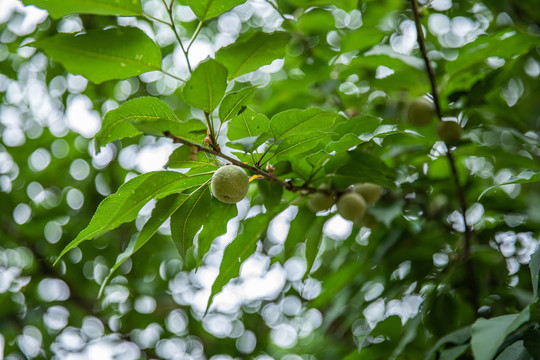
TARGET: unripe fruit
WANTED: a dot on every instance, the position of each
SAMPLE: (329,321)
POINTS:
(370,192)
(320,201)
(352,206)
(421,112)
(230,184)
(449,131)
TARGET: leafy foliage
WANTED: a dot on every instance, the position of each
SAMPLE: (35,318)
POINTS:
(306,97)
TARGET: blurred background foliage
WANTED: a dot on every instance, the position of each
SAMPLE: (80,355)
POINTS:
(392,289)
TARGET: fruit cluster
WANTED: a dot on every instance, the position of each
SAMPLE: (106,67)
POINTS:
(421,112)
(351,205)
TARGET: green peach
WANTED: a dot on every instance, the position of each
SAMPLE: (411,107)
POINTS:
(230,184)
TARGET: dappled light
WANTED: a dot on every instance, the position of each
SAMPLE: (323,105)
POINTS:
(115,117)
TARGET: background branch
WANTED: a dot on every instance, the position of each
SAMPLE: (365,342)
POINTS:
(459,189)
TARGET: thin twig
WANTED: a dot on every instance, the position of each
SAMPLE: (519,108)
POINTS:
(149,17)
(173,76)
(267,175)
(195,34)
(175,31)
(449,154)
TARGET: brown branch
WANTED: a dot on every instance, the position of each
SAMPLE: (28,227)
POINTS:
(267,175)
(435,93)
(449,154)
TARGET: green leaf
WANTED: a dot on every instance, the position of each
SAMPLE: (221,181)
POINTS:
(233,102)
(296,122)
(516,351)
(361,39)
(525,177)
(59,8)
(248,124)
(505,44)
(295,145)
(238,251)
(363,167)
(190,216)
(101,55)
(132,118)
(215,225)
(336,281)
(534,265)
(270,192)
(314,235)
(488,335)
(453,353)
(206,86)
(124,205)
(532,344)
(163,209)
(297,231)
(206,9)
(352,132)
(188,157)
(261,49)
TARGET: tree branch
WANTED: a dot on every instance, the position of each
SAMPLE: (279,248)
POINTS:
(449,154)
(267,175)
(435,93)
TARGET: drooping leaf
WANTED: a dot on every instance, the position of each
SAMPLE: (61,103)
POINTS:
(516,351)
(270,192)
(206,9)
(101,55)
(336,281)
(313,240)
(215,225)
(489,334)
(189,217)
(162,211)
(60,8)
(233,102)
(124,205)
(246,56)
(524,178)
(297,231)
(296,122)
(238,251)
(206,86)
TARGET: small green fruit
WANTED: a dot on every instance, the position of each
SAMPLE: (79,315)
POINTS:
(352,206)
(449,131)
(230,184)
(421,112)
(320,201)
(370,192)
